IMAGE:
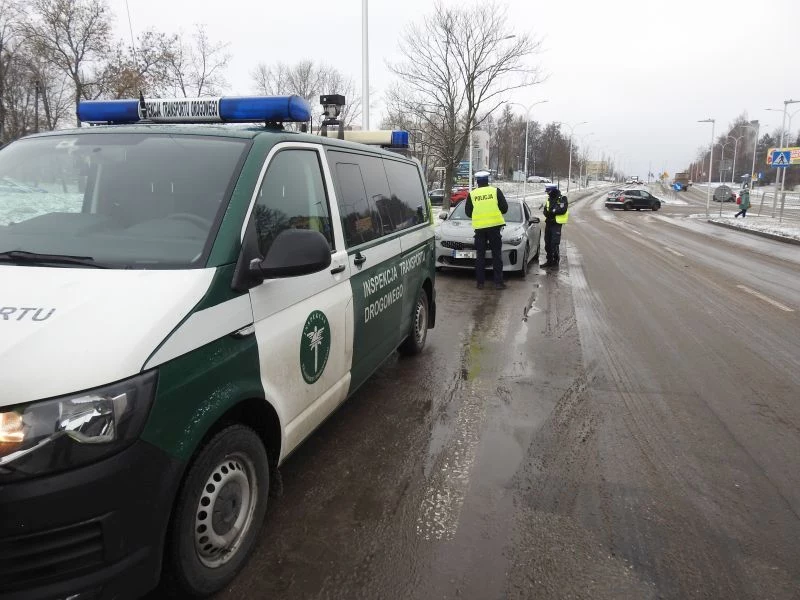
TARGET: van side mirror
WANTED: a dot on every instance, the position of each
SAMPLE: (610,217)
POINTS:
(294,252)
(534,220)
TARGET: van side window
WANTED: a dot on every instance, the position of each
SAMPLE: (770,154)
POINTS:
(360,221)
(292,196)
(406,206)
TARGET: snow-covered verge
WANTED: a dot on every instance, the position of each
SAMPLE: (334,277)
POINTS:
(29,203)
(762,225)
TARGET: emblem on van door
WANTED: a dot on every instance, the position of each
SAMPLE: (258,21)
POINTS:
(315,345)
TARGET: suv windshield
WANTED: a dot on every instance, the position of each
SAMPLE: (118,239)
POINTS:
(127,200)
(514,214)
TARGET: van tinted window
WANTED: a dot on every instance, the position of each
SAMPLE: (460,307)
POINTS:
(292,196)
(406,206)
(360,221)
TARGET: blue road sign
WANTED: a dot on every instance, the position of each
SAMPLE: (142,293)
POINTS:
(761,175)
(781,158)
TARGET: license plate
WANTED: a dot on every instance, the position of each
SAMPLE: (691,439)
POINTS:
(464,254)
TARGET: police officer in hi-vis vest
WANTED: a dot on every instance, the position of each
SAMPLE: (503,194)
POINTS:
(486,206)
(556,214)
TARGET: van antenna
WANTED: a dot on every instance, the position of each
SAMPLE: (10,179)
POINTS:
(130,28)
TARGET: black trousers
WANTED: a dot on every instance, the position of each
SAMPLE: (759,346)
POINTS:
(491,237)
(552,239)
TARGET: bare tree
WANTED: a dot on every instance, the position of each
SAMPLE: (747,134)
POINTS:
(308,80)
(144,68)
(454,70)
(10,25)
(198,67)
(75,36)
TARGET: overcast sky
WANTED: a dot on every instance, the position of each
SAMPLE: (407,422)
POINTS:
(640,72)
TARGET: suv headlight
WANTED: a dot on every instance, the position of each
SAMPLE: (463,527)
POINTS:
(515,240)
(48,436)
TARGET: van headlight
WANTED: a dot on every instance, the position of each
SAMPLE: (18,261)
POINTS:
(55,435)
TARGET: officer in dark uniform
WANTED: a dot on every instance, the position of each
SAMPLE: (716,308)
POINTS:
(486,206)
(556,214)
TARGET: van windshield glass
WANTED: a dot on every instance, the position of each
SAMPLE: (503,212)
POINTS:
(127,200)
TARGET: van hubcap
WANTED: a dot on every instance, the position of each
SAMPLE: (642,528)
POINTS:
(225,510)
(420,322)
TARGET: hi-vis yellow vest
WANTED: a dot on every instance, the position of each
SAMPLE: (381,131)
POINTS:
(485,212)
(560,219)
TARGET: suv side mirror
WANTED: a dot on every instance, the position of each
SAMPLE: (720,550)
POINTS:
(534,220)
(294,252)
(443,216)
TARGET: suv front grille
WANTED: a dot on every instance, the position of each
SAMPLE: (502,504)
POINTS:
(458,245)
(51,555)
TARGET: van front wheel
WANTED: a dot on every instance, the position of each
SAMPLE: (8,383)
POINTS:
(415,341)
(220,511)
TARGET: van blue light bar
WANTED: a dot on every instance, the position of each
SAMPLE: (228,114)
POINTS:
(234,109)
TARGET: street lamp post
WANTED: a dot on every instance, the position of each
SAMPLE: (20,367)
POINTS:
(735,149)
(754,125)
(569,170)
(710,162)
(527,127)
(786,103)
(721,161)
(365,64)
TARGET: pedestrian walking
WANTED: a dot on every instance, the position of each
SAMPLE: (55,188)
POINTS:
(486,206)
(556,214)
(744,203)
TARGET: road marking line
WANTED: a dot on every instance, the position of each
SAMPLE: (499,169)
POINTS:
(634,231)
(675,252)
(761,296)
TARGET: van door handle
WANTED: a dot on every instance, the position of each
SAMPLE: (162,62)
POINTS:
(359,259)
(338,269)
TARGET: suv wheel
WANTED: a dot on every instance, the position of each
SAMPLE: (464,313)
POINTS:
(415,341)
(628,206)
(219,511)
(656,206)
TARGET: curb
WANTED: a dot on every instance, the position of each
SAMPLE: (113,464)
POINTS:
(771,236)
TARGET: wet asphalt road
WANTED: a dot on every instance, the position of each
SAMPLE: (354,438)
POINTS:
(627,427)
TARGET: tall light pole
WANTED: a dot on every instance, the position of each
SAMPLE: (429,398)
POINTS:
(571,129)
(786,103)
(710,162)
(754,125)
(735,149)
(721,160)
(365,65)
(527,126)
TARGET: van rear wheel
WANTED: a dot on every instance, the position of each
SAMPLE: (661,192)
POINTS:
(415,341)
(219,512)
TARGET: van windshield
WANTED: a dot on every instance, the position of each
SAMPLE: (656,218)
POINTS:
(127,200)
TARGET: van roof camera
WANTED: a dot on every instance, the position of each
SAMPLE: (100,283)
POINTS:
(332,107)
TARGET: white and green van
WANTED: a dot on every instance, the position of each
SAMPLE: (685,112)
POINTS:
(181,304)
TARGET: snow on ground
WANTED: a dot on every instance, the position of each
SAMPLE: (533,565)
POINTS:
(760,224)
(15,207)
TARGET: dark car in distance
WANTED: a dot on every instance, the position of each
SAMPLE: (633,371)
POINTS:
(633,199)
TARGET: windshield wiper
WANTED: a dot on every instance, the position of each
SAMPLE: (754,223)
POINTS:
(35,258)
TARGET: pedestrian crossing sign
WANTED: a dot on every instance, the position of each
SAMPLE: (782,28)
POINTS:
(781,159)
